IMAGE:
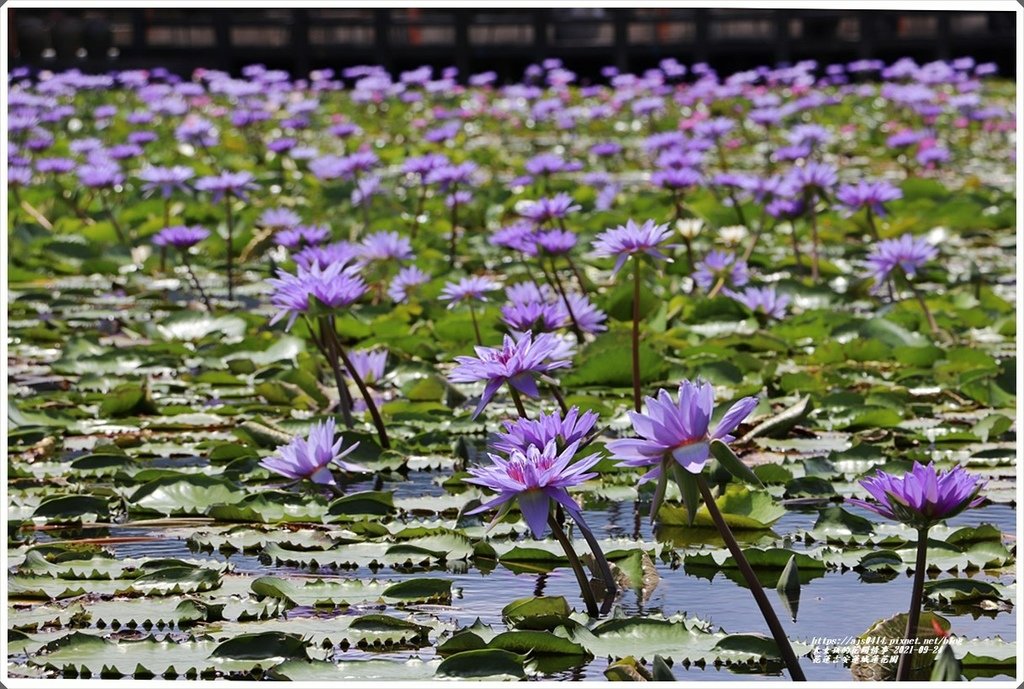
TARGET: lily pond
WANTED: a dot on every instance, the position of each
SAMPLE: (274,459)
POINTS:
(273,341)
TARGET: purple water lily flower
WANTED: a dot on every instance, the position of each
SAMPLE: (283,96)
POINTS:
(234,183)
(762,300)
(677,430)
(872,195)
(313,456)
(180,237)
(101,174)
(304,235)
(556,242)
(369,363)
(336,286)
(520,434)
(534,479)
(385,246)
(533,315)
(631,239)
(517,362)
(723,267)
(546,209)
(166,179)
(474,287)
(907,252)
(279,218)
(407,280)
(323,256)
(922,496)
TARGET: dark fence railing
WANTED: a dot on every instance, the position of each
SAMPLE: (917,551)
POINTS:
(502,40)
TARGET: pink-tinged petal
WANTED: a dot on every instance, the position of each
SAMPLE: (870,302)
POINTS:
(535,506)
(692,457)
(734,417)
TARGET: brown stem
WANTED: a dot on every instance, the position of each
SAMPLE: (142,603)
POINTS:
(327,349)
(382,432)
(914,614)
(781,640)
(577,331)
(581,576)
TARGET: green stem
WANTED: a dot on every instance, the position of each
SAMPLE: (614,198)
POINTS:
(914,614)
(113,221)
(518,402)
(779,634)
(557,394)
(581,576)
(476,326)
(923,304)
(637,397)
(812,211)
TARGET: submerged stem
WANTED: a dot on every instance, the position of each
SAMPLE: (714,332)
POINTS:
(914,614)
(781,640)
(577,567)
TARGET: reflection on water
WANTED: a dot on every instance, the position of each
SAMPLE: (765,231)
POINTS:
(834,605)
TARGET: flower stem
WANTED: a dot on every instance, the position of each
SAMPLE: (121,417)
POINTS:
(565,300)
(914,614)
(717,288)
(813,214)
(476,326)
(637,398)
(382,432)
(557,394)
(327,349)
(231,246)
(113,221)
(454,239)
(577,274)
(602,562)
(924,305)
(781,640)
(577,567)
(195,280)
(871,223)
(518,401)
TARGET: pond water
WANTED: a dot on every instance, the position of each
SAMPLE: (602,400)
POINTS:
(835,605)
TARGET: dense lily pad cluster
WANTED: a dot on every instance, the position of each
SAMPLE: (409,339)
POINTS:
(288,354)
